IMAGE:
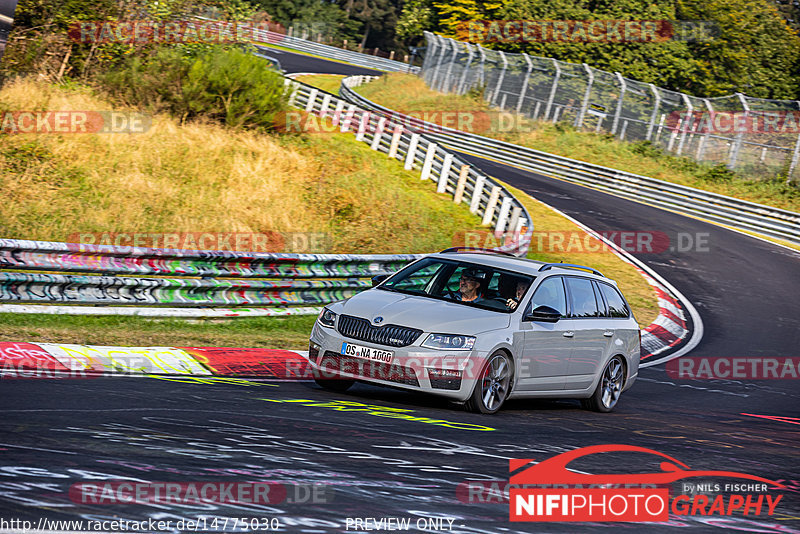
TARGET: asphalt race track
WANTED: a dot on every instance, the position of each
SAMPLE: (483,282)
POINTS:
(368,464)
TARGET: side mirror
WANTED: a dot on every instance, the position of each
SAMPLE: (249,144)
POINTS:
(378,279)
(544,314)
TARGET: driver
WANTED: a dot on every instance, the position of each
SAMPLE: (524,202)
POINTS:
(469,285)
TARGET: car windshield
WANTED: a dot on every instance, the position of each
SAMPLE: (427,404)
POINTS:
(465,283)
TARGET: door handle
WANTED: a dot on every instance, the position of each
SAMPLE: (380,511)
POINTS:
(608,333)
(568,333)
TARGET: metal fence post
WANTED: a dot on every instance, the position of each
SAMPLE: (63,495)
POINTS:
(441,60)
(500,78)
(737,144)
(618,112)
(482,74)
(461,89)
(445,85)
(686,124)
(795,158)
(701,148)
(411,155)
(553,90)
(654,114)
(433,48)
(525,83)
(585,103)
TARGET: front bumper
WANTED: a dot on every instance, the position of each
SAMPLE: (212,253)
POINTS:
(450,374)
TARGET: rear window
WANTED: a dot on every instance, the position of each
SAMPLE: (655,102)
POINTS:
(616,304)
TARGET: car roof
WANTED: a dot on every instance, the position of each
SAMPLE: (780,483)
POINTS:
(514,263)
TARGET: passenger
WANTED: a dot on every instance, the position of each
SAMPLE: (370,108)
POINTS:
(512,289)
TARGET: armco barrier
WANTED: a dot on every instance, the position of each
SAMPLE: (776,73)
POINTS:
(740,214)
(40,272)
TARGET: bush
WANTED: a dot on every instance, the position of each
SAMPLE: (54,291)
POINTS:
(234,87)
(225,85)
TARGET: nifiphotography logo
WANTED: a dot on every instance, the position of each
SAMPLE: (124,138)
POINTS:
(550,491)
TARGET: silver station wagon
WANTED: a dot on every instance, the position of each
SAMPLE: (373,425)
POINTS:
(480,327)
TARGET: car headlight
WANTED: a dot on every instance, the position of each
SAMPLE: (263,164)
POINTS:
(327,318)
(449,342)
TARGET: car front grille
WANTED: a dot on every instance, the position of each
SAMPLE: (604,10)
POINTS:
(390,335)
(369,369)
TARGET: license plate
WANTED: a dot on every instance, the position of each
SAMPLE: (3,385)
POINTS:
(376,355)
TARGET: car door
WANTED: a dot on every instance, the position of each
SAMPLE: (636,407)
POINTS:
(590,343)
(544,361)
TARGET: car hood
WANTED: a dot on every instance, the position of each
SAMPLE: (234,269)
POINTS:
(427,314)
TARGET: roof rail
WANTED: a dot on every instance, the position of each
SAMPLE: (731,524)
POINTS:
(547,266)
(476,249)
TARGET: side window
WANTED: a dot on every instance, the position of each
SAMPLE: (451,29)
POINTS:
(616,304)
(581,297)
(550,293)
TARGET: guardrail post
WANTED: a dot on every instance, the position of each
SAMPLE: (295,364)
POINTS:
(323,108)
(525,83)
(514,220)
(445,173)
(363,123)
(475,201)
(500,78)
(689,122)
(553,89)
(502,217)
(618,112)
(337,113)
(462,183)
(378,134)
(585,103)
(293,97)
(348,117)
(427,165)
(461,88)
(737,144)
(396,135)
(489,212)
(411,155)
(654,114)
(312,96)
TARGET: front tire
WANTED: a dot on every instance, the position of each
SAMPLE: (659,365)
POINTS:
(609,387)
(494,384)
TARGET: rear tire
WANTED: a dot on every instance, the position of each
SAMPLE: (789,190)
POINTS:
(609,387)
(334,384)
(493,386)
